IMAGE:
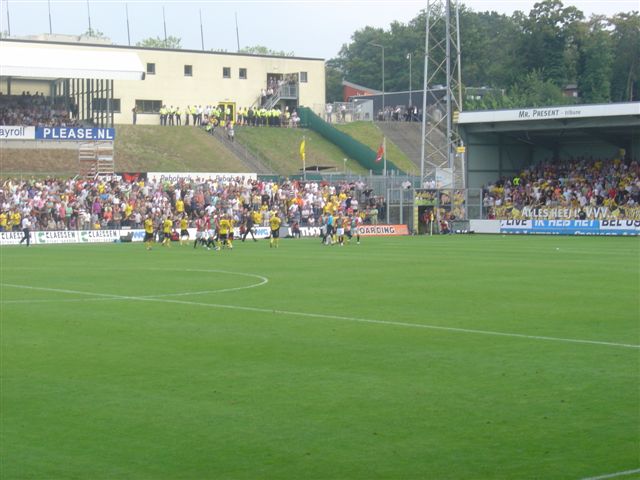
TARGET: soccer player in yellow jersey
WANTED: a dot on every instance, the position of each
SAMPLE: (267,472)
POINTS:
(148,232)
(223,232)
(184,233)
(167,226)
(16,220)
(274,223)
(231,232)
(257,217)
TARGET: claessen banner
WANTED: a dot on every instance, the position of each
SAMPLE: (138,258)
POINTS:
(137,235)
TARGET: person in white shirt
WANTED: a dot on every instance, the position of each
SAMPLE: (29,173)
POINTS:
(26,230)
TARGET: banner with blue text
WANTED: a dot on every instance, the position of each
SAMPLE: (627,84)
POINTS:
(75,133)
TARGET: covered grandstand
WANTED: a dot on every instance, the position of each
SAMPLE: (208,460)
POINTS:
(502,143)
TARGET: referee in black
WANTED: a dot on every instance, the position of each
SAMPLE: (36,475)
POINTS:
(248,229)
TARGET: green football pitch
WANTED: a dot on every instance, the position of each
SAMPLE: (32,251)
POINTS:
(452,357)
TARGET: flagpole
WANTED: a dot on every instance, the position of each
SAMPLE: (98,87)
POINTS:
(126,9)
(384,155)
(304,154)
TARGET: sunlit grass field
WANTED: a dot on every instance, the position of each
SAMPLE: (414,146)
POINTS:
(453,357)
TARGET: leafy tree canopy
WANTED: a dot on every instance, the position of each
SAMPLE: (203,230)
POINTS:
(171,42)
(262,50)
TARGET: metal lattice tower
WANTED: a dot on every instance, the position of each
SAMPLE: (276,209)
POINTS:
(442,147)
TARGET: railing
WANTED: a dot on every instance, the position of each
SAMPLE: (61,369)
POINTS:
(284,92)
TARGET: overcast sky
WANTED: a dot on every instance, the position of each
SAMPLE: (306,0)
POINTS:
(306,27)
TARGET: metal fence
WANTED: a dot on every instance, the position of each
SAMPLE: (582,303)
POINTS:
(405,201)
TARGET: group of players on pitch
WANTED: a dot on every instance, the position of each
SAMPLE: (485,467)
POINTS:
(212,231)
(217,231)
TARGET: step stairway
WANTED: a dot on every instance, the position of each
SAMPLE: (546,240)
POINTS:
(95,159)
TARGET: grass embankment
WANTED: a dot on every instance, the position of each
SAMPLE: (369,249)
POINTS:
(145,148)
(139,148)
(171,149)
(370,135)
(279,148)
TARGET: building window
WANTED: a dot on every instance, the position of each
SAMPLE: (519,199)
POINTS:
(148,106)
(243,74)
(226,72)
(151,68)
(104,105)
(303,77)
(188,70)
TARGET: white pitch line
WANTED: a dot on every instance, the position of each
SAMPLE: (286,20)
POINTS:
(614,475)
(332,317)
(263,281)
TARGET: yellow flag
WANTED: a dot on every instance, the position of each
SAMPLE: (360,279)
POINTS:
(302,153)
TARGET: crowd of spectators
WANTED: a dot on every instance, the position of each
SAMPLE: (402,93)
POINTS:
(76,204)
(577,184)
(210,117)
(399,113)
(35,110)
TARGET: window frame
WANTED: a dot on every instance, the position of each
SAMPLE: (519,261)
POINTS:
(147,106)
(99,104)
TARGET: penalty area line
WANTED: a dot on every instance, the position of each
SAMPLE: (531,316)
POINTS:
(332,317)
(614,475)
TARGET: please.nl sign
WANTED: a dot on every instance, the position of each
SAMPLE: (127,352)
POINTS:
(75,133)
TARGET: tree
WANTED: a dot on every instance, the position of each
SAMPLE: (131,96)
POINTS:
(626,65)
(533,90)
(262,50)
(489,49)
(172,43)
(333,82)
(92,32)
(547,36)
(596,59)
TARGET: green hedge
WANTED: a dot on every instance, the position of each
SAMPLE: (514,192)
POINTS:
(353,148)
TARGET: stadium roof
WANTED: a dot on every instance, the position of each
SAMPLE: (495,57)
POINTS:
(59,62)
(613,123)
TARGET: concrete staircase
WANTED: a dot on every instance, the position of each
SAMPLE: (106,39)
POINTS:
(248,158)
(406,135)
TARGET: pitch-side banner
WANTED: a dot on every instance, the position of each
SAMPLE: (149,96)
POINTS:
(571,227)
(75,133)
(8,132)
(173,177)
(382,230)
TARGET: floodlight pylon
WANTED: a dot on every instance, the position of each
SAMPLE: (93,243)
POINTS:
(442,147)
